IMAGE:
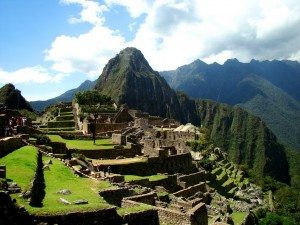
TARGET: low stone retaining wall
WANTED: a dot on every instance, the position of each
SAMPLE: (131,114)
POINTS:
(108,153)
(9,144)
(10,213)
(115,195)
(169,183)
(104,127)
(148,198)
(192,179)
(147,217)
(2,171)
(100,217)
(195,216)
(190,191)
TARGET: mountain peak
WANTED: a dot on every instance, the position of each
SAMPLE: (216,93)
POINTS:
(128,78)
(232,61)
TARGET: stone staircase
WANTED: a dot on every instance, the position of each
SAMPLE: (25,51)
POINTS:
(63,122)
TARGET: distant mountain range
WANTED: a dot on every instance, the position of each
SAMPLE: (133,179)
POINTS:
(268,89)
(65,97)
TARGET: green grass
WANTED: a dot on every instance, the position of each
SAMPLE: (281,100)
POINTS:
(133,209)
(238,217)
(59,129)
(125,161)
(84,144)
(157,177)
(21,167)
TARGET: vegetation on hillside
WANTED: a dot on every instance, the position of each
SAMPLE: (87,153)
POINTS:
(268,89)
(246,139)
(11,98)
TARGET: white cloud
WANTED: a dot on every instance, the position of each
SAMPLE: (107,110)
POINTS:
(176,32)
(135,8)
(37,74)
(91,11)
(86,53)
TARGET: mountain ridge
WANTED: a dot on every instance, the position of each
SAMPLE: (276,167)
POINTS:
(65,97)
(249,85)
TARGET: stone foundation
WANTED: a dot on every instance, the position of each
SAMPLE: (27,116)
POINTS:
(191,179)
(108,153)
(190,191)
(2,171)
(9,144)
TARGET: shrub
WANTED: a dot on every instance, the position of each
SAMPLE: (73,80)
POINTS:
(38,187)
(206,164)
(42,139)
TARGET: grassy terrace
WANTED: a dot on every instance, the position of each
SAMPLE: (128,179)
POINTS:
(129,178)
(133,209)
(238,217)
(21,168)
(84,144)
(118,161)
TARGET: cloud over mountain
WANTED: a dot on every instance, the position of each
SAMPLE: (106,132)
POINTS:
(179,31)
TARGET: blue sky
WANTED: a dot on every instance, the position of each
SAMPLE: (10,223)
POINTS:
(48,47)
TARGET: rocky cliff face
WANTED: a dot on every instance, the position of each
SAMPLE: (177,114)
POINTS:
(11,98)
(128,78)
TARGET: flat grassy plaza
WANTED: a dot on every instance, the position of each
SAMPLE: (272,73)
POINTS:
(84,144)
(21,166)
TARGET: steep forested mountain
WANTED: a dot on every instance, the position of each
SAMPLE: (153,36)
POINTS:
(268,89)
(128,78)
(12,98)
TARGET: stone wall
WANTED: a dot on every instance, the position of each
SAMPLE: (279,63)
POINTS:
(104,127)
(184,136)
(151,146)
(58,147)
(195,216)
(100,217)
(191,179)
(190,191)
(181,163)
(115,195)
(118,139)
(147,217)
(108,153)
(10,213)
(198,215)
(169,183)
(9,144)
(2,171)
(148,198)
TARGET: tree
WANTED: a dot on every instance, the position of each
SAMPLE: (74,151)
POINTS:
(38,186)
(91,101)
